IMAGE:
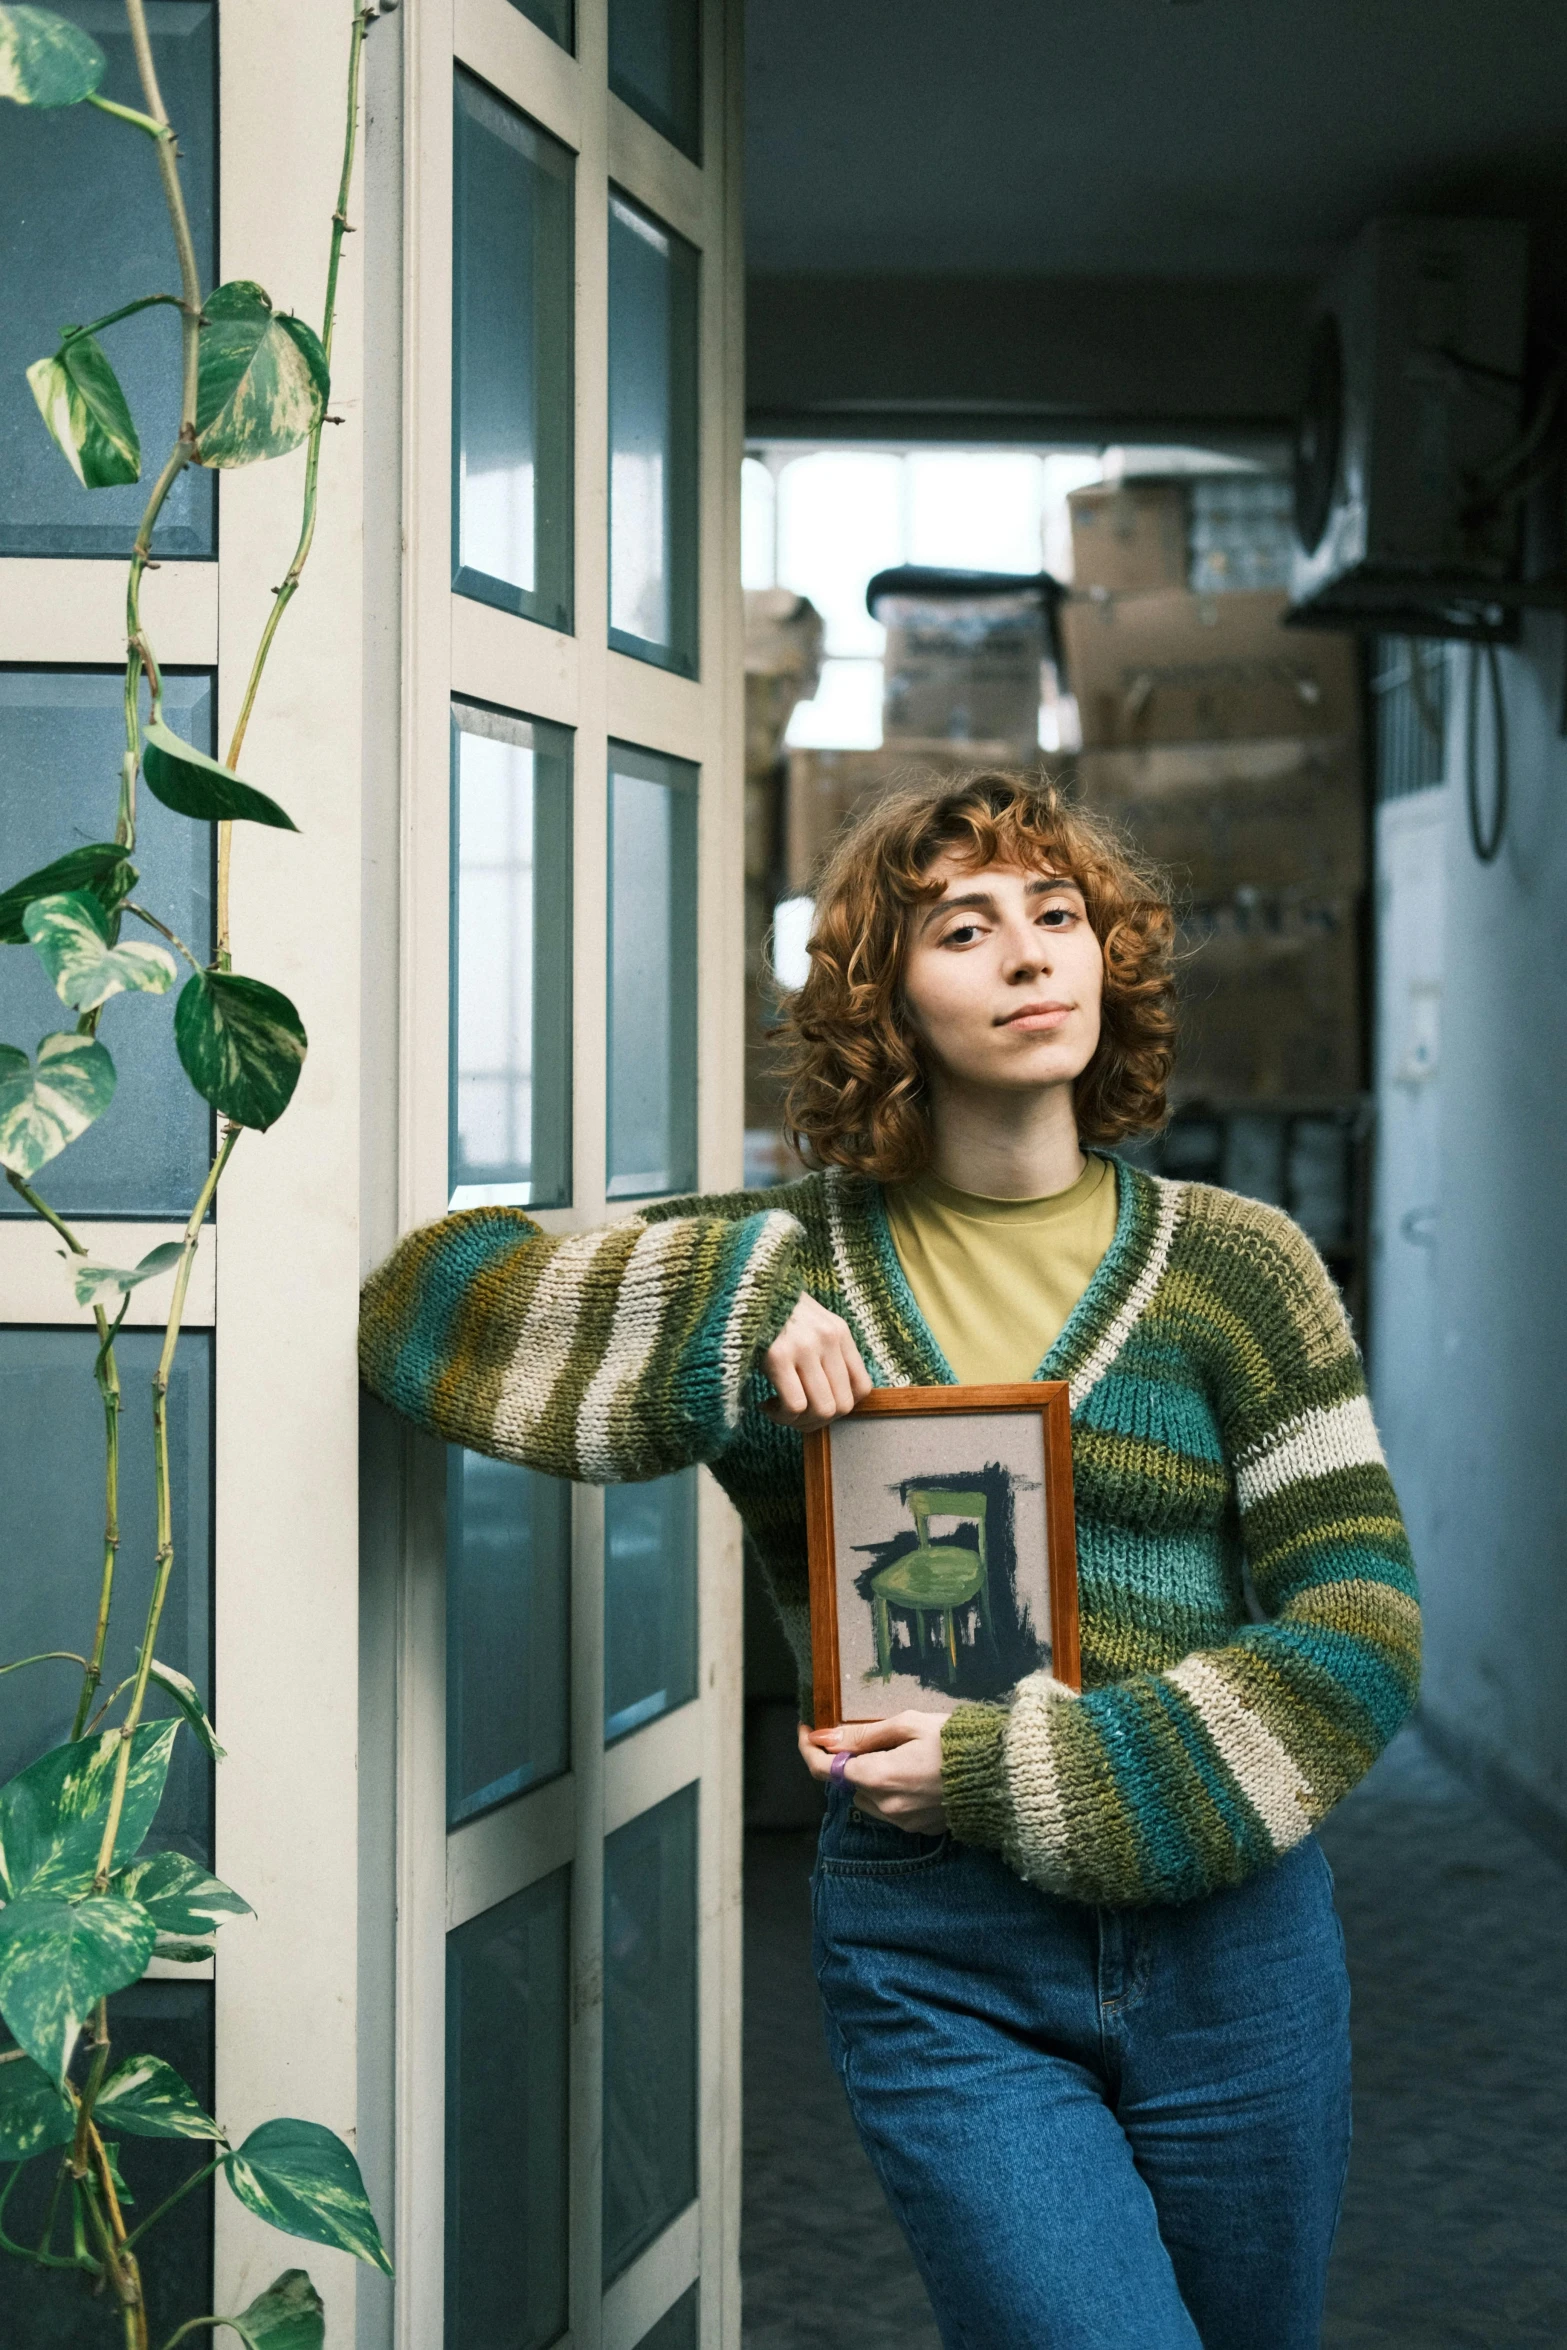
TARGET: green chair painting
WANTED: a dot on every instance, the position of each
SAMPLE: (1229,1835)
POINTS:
(939,1577)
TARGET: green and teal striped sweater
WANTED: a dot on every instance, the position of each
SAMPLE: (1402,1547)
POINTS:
(1220,1432)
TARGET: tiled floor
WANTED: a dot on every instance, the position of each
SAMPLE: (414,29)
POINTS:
(1454,2234)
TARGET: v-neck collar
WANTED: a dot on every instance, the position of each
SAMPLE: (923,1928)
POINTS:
(908,1348)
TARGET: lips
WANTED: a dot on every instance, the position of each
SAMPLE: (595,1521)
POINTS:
(1038,1016)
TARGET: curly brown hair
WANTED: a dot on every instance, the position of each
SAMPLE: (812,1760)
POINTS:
(856,1093)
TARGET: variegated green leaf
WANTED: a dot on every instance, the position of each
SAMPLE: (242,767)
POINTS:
(241,1044)
(53,1814)
(186,1696)
(85,411)
(287,2316)
(103,1281)
(35,2114)
(179,1896)
(70,936)
(44,60)
(179,1952)
(263,381)
(190,783)
(57,1957)
(299,2177)
(111,2155)
(147,2097)
(46,1104)
(101,867)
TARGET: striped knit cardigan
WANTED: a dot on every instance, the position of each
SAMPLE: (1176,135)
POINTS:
(1220,1431)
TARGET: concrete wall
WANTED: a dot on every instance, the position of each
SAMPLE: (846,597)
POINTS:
(1469,1314)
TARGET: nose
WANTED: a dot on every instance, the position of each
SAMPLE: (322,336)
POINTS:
(1027,954)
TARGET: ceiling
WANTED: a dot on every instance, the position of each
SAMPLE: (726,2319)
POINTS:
(1146,138)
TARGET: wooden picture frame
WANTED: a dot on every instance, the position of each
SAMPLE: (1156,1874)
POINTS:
(986,1634)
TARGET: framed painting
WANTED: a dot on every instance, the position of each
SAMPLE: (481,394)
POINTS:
(943,1549)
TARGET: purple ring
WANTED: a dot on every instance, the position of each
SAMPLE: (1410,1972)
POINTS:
(837,1770)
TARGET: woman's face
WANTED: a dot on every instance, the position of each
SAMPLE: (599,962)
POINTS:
(1004,978)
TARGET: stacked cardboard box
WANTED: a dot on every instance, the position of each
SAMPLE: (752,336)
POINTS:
(783,656)
(1129,539)
(825,788)
(1228,749)
(964,672)
(1279,813)
(1176,667)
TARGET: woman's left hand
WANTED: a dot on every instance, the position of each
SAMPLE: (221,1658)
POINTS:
(896,1771)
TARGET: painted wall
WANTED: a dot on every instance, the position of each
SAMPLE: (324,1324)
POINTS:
(1469,1328)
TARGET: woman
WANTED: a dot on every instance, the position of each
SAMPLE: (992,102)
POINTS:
(1082,1974)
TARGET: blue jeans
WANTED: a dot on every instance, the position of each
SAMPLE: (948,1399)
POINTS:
(1100,2129)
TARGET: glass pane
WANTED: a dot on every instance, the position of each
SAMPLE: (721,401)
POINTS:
(677,2328)
(652,973)
(655,64)
(508,1585)
(508,2018)
(555,17)
(64,174)
(511,961)
(62,734)
(650,2033)
(47,2311)
(513,276)
(649,1600)
(652,440)
(51,1474)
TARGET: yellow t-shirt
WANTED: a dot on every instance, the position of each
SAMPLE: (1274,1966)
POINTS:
(997,1279)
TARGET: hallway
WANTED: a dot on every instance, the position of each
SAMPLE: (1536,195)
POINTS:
(1453,2236)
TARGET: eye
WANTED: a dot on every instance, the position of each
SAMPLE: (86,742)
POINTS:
(1058,917)
(962,934)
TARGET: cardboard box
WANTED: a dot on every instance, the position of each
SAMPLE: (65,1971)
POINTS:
(1174,667)
(825,788)
(1270,999)
(1130,540)
(1219,817)
(963,672)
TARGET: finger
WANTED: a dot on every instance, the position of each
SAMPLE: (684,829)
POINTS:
(792,1399)
(866,1737)
(842,1385)
(859,1378)
(818,1391)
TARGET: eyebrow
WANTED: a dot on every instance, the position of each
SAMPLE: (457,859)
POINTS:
(1043,885)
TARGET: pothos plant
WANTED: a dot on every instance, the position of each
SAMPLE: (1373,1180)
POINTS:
(84,1905)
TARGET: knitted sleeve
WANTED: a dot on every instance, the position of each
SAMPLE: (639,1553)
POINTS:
(1167,1785)
(605,1356)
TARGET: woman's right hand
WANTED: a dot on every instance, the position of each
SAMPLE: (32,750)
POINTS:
(815,1369)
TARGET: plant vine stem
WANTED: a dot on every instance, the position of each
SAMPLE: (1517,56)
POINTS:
(130,907)
(45,1656)
(58,2190)
(197,2177)
(192,2325)
(283,596)
(143,122)
(156,121)
(81,2143)
(174,197)
(165,1551)
(74,334)
(41,1207)
(106,1376)
(119,2267)
(8,2243)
